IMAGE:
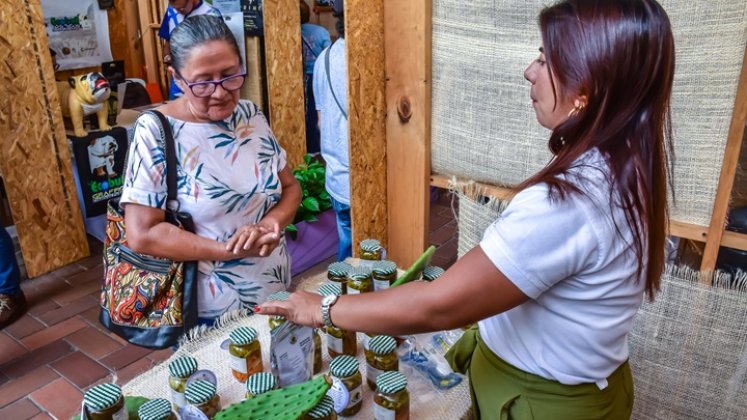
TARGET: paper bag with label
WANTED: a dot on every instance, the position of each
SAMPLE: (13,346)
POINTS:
(292,354)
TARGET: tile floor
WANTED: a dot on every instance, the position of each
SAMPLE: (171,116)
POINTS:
(50,356)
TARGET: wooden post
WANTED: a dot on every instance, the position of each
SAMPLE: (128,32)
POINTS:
(34,157)
(364,43)
(146,35)
(282,22)
(408,125)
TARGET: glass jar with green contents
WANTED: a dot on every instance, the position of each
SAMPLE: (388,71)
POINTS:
(380,357)
(259,383)
(359,280)
(338,272)
(345,369)
(323,410)
(276,320)
(432,272)
(203,395)
(383,274)
(105,402)
(180,370)
(158,409)
(317,351)
(338,341)
(245,353)
(370,250)
(392,401)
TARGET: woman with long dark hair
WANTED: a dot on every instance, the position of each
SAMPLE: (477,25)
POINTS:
(556,281)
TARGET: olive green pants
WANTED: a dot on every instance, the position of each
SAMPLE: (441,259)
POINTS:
(501,391)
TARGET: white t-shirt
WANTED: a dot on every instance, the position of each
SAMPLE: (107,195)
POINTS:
(579,274)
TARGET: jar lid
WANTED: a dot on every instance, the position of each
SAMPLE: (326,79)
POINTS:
(261,382)
(199,392)
(382,344)
(330,289)
(390,382)
(323,408)
(339,269)
(158,409)
(183,366)
(384,267)
(432,272)
(242,336)
(102,396)
(359,273)
(343,366)
(370,245)
(281,295)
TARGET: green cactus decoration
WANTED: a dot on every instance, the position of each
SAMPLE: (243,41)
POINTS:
(289,403)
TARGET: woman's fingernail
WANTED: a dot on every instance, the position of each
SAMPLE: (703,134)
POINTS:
(257,308)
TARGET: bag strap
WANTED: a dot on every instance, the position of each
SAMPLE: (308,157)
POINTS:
(167,137)
(329,80)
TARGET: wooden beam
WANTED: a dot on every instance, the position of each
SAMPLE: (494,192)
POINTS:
(501,193)
(282,20)
(728,172)
(364,43)
(148,41)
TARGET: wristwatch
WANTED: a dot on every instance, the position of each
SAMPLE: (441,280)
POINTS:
(327,302)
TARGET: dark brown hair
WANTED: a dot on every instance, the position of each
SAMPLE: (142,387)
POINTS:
(305,11)
(620,55)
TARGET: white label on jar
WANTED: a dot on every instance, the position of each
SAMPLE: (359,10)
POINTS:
(372,373)
(353,291)
(356,394)
(334,343)
(381,285)
(121,414)
(238,364)
(381,413)
(178,398)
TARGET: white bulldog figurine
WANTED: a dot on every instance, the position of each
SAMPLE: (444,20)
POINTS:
(82,96)
(101,156)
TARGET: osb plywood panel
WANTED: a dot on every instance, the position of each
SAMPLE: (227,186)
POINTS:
(34,156)
(364,40)
(282,21)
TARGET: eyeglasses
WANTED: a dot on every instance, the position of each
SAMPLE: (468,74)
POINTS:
(204,89)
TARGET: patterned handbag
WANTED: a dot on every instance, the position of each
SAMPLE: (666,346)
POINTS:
(146,300)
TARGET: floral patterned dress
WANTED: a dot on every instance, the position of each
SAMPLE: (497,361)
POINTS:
(227,177)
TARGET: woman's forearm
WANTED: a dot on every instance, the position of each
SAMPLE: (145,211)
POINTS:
(285,210)
(168,241)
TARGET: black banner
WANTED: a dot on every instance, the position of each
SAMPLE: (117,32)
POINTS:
(252,10)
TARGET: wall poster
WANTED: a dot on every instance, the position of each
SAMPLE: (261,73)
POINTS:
(78,32)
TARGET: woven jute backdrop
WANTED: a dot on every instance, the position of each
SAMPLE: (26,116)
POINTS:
(483,125)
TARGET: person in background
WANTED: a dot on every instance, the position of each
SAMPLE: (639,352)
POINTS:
(331,97)
(314,39)
(176,12)
(557,279)
(233,178)
(12,299)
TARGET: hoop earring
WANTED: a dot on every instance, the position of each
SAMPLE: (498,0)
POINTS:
(576,109)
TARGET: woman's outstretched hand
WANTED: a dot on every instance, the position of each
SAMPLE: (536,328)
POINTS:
(301,308)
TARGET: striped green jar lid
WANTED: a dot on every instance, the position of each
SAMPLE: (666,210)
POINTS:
(323,408)
(102,396)
(339,269)
(343,366)
(329,289)
(183,367)
(281,295)
(384,267)
(432,272)
(382,344)
(261,382)
(242,336)
(370,245)
(199,392)
(391,382)
(158,409)
(359,273)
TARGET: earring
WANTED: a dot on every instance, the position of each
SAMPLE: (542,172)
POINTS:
(576,109)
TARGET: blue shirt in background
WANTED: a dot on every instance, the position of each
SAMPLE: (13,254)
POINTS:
(314,40)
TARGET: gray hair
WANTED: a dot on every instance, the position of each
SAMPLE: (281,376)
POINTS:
(195,31)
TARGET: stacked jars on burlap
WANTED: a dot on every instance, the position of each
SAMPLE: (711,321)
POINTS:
(381,357)
(105,402)
(259,383)
(203,395)
(180,370)
(245,353)
(370,251)
(345,369)
(383,274)
(276,321)
(339,341)
(432,272)
(360,281)
(157,409)
(337,272)
(392,401)
(323,410)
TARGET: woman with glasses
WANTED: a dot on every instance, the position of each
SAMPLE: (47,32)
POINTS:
(232,177)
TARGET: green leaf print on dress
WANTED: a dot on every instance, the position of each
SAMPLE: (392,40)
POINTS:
(234,200)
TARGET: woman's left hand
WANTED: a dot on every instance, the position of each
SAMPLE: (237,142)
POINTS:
(301,308)
(272,239)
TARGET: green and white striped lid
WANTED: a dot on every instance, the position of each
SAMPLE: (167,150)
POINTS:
(242,336)
(330,289)
(359,273)
(432,272)
(382,344)
(281,295)
(370,245)
(339,269)
(261,382)
(183,366)
(199,392)
(102,396)
(343,366)
(158,409)
(323,408)
(384,267)
(390,382)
